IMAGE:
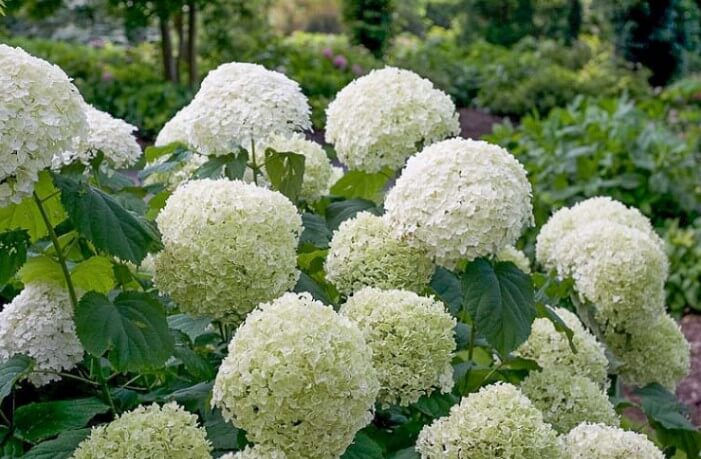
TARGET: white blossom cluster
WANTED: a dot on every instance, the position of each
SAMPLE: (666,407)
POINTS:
(567,399)
(598,441)
(239,104)
(299,378)
(382,118)
(256,452)
(113,137)
(39,324)
(41,115)
(364,252)
(148,432)
(462,199)
(411,338)
(228,245)
(497,421)
(177,129)
(515,256)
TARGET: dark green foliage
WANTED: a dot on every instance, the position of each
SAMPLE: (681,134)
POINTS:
(369,23)
(684,251)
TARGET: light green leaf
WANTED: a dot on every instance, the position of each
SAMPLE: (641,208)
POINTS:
(94,274)
(39,421)
(41,268)
(13,253)
(232,166)
(285,170)
(362,185)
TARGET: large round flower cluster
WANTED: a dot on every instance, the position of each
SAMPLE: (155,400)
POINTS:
(365,252)
(462,199)
(498,421)
(567,399)
(599,441)
(39,323)
(156,432)
(298,377)
(659,353)
(411,338)
(551,349)
(41,114)
(256,452)
(228,246)
(177,129)
(239,104)
(380,119)
(110,136)
(317,167)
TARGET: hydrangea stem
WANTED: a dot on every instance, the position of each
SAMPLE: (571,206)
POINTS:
(473,335)
(59,251)
(254,166)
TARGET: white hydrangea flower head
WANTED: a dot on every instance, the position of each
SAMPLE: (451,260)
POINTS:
(256,452)
(652,353)
(568,219)
(317,167)
(463,199)
(41,114)
(177,129)
(182,172)
(411,338)
(498,421)
(515,256)
(298,377)
(365,252)
(148,432)
(567,399)
(228,245)
(111,136)
(551,349)
(382,118)
(599,441)
(39,324)
(617,268)
(240,103)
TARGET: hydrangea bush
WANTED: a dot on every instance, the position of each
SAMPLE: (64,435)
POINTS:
(245,297)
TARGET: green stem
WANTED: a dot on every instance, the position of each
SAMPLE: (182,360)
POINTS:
(105,388)
(253,162)
(68,376)
(4,418)
(59,251)
(473,335)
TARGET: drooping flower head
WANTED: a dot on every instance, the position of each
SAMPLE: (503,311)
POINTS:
(655,352)
(364,252)
(298,377)
(462,199)
(588,441)
(239,103)
(498,421)
(567,399)
(39,323)
(382,118)
(41,115)
(154,432)
(411,338)
(112,137)
(228,246)
(551,349)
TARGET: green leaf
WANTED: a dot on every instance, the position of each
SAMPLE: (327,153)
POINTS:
(39,421)
(26,215)
(407,453)
(193,327)
(447,286)
(231,166)
(100,218)
(363,447)
(41,268)
(663,407)
(285,170)
(362,185)
(13,253)
(315,231)
(133,328)
(195,364)
(339,211)
(436,405)
(60,448)
(152,153)
(500,301)
(222,434)
(175,160)
(305,283)
(13,370)
(198,392)
(94,274)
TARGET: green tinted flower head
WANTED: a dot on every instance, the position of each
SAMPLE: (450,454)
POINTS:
(589,441)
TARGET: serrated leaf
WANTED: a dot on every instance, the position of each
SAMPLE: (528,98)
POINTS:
(285,170)
(198,392)
(13,253)
(436,405)
(663,407)
(545,311)
(11,371)
(177,154)
(338,212)
(363,447)
(232,166)
(193,327)
(41,268)
(195,364)
(133,328)
(305,283)
(315,231)
(26,215)
(222,434)
(152,152)
(61,447)
(448,288)
(94,274)
(101,219)
(38,421)
(361,185)
(500,301)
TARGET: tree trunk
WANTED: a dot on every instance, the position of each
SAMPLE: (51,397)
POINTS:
(169,71)
(192,43)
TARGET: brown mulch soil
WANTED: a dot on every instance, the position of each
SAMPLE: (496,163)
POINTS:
(475,123)
(689,390)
